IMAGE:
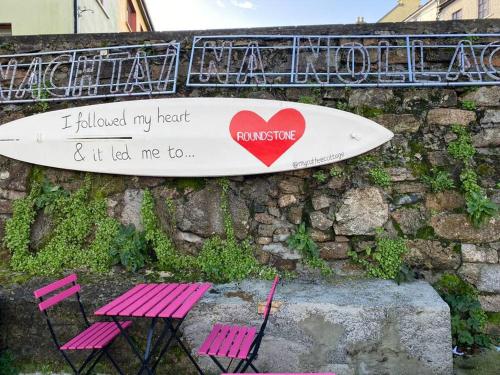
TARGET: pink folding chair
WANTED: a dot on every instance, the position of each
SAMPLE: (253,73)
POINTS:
(238,343)
(97,337)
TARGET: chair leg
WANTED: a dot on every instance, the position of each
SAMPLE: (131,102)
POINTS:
(249,364)
(115,365)
(99,356)
(254,368)
(219,365)
(68,361)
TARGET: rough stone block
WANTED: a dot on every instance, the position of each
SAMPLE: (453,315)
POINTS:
(489,278)
(362,211)
(444,201)
(473,254)
(457,227)
(131,212)
(487,138)
(320,221)
(282,251)
(375,98)
(491,117)
(448,116)
(399,174)
(334,250)
(369,327)
(432,255)
(490,302)
(287,200)
(399,123)
(470,272)
(485,96)
(410,220)
(320,202)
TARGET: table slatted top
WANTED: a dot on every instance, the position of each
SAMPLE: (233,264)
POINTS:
(156,301)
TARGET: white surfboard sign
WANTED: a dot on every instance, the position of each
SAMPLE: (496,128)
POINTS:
(190,137)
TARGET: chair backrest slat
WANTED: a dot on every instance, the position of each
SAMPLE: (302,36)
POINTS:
(55,285)
(270,297)
(59,297)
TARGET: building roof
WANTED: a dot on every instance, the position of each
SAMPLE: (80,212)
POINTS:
(420,9)
(400,11)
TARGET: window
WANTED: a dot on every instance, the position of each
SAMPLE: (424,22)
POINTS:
(457,15)
(131,15)
(5,29)
(483,8)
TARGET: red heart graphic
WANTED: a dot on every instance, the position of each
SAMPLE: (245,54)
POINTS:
(267,140)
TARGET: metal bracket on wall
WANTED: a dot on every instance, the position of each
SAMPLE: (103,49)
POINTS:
(132,70)
(345,60)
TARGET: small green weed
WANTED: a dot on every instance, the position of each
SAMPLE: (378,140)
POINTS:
(7,364)
(301,240)
(224,260)
(386,260)
(320,176)
(480,208)
(380,177)
(461,148)
(468,105)
(439,181)
(468,320)
(129,248)
(308,99)
(336,171)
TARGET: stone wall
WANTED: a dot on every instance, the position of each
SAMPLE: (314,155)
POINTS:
(344,210)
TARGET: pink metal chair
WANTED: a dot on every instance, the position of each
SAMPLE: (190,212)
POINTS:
(96,337)
(238,343)
(294,373)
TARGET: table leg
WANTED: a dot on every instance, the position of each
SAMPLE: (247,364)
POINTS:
(183,347)
(155,347)
(167,344)
(136,351)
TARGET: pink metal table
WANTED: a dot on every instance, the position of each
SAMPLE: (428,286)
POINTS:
(158,302)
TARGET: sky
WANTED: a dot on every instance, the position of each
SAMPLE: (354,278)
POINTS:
(222,14)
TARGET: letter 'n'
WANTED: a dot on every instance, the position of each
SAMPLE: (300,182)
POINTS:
(215,61)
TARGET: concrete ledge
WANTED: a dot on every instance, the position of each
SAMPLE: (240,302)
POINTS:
(356,327)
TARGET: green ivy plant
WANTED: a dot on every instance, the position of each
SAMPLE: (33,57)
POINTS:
(81,238)
(129,248)
(225,259)
(301,240)
(385,261)
(336,171)
(439,181)
(7,366)
(168,258)
(468,320)
(320,176)
(468,105)
(76,219)
(380,177)
(42,105)
(479,207)
(461,148)
(85,237)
